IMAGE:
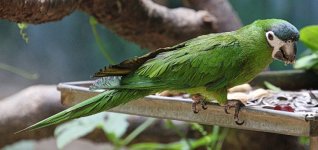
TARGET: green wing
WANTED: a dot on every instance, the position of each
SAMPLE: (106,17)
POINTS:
(202,61)
(130,65)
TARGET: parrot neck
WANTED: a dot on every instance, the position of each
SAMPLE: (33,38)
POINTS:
(257,53)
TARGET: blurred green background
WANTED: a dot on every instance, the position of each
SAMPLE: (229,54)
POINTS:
(67,51)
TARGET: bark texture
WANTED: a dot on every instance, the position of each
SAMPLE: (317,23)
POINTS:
(227,19)
(144,22)
(36,11)
(25,108)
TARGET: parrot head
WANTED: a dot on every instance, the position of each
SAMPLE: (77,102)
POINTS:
(282,37)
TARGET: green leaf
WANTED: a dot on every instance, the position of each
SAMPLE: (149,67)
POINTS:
(77,128)
(92,21)
(156,146)
(309,36)
(303,140)
(205,140)
(307,62)
(23,27)
(24,144)
(116,124)
(138,130)
(272,87)
(113,124)
(199,128)
(101,46)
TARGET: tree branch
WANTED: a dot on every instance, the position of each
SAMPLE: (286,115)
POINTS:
(25,108)
(221,9)
(36,11)
(142,21)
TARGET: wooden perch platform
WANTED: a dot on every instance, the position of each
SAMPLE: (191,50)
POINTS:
(256,118)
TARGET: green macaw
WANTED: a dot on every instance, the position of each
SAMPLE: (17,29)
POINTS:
(206,66)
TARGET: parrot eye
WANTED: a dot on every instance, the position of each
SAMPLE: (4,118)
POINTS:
(270,36)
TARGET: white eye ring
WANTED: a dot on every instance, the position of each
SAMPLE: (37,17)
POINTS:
(270,35)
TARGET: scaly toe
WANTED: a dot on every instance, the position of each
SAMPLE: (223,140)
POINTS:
(194,107)
(237,105)
(225,109)
(204,105)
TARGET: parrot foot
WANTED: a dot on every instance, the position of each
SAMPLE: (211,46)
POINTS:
(204,104)
(198,99)
(237,104)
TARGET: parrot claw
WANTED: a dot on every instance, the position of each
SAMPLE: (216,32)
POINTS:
(198,99)
(238,122)
(227,107)
(194,107)
(237,104)
(204,104)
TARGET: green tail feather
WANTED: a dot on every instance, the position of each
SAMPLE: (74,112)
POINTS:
(104,101)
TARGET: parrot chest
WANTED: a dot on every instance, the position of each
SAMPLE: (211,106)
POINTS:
(251,68)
